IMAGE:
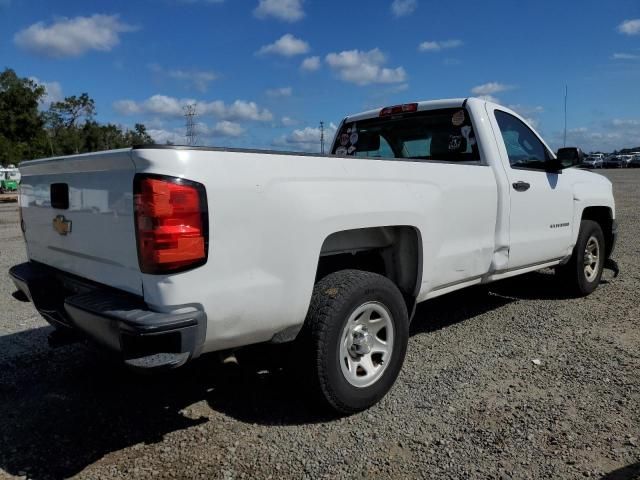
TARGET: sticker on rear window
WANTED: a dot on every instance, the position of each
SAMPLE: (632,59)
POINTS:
(351,149)
(342,151)
(344,139)
(455,142)
(466,131)
(458,118)
(354,138)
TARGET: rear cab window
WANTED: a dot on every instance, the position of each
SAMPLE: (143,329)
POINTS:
(438,135)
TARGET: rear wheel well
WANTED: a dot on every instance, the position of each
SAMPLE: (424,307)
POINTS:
(604,217)
(392,251)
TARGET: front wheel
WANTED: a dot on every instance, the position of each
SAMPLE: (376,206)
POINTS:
(582,273)
(355,338)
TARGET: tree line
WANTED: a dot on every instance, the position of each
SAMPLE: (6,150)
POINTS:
(65,128)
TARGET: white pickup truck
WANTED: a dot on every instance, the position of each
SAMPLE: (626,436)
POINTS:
(163,253)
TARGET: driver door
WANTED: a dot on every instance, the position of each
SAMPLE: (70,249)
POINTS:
(541,202)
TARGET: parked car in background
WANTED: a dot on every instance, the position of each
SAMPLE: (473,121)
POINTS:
(613,161)
(635,161)
(593,161)
(625,160)
(8,181)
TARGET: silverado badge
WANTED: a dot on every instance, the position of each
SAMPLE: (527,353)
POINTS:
(62,225)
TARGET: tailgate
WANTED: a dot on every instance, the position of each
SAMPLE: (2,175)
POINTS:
(94,236)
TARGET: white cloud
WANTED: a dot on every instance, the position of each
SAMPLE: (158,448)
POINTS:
(617,122)
(225,129)
(199,79)
(436,46)
(625,56)
(630,27)
(288,121)
(72,37)
(400,8)
(53,91)
(490,88)
(162,136)
(490,98)
(364,68)
(287,10)
(280,92)
(287,46)
(525,110)
(239,110)
(165,106)
(306,139)
(126,107)
(310,64)
(606,136)
(204,133)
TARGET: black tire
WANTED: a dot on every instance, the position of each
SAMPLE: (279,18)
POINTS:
(335,298)
(574,274)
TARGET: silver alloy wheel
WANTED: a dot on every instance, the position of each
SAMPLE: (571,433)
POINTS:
(366,344)
(591,256)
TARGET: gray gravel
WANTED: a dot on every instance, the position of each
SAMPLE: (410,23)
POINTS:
(506,381)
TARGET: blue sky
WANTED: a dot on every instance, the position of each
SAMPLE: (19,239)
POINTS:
(263,73)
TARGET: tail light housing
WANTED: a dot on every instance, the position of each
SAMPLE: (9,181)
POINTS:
(171,221)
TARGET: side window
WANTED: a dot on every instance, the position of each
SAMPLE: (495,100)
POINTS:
(524,148)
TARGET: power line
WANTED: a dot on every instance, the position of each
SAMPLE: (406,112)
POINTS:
(321,138)
(190,113)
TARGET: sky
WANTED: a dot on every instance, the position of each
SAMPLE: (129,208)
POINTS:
(264,73)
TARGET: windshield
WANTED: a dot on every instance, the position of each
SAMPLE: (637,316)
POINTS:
(443,134)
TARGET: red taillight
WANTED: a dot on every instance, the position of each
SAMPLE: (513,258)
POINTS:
(171,223)
(397,109)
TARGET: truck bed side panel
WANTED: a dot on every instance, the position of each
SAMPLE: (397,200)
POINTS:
(269,215)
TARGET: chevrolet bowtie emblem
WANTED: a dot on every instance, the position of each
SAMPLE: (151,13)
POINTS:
(62,225)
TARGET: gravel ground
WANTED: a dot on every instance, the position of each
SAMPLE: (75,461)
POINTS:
(470,402)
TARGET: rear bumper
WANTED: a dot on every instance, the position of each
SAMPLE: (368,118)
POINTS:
(117,320)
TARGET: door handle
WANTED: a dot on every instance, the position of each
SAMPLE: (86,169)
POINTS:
(521,186)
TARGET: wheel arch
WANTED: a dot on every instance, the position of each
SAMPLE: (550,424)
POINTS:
(604,217)
(394,251)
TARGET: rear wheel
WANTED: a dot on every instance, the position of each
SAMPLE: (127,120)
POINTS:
(355,338)
(583,272)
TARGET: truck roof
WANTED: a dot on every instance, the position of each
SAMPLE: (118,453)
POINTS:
(422,105)
(426,105)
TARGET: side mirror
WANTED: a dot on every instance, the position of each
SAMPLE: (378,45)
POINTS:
(569,157)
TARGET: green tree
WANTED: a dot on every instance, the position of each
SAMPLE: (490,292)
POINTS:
(72,109)
(67,127)
(63,122)
(21,124)
(138,136)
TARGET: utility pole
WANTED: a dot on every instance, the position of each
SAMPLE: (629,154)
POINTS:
(566,92)
(191,135)
(321,138)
